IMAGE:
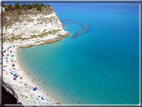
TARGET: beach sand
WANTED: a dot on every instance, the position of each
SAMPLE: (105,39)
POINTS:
(26,78)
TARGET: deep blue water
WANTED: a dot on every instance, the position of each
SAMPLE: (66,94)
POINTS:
(100,66)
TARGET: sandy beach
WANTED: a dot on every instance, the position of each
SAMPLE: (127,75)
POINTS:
(29,30)
(18,83)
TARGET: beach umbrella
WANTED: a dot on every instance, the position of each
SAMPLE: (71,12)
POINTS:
(6,60)
(5,65)
(16,74)
(44,97)
(13,72)
(6,72)
(12,55)
(35,88)
(14,78)
(12,58)
(26,83)
(13,62)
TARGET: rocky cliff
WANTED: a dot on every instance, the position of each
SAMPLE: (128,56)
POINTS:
(31,26)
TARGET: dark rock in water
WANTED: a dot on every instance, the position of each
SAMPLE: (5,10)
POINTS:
(58,103)
(85,28)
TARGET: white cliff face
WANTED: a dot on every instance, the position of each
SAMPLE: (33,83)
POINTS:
(30,29)
(34,25)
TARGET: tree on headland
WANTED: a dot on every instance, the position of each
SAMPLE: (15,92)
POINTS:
(29,6)
(42,5)
(17,6)
(13,8)
(10,6)
(24,5)
(4,5)
(6,8)
(39,8)
(48,5)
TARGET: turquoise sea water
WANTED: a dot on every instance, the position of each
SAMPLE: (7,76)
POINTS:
(100,66)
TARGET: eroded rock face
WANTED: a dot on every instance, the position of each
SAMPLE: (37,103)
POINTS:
(31,29)
(34,25)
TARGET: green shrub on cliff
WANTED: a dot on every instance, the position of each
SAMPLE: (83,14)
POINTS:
(13,8)
(10,6)
(24,5)
(25,8)
(50,32)
(17,6)
(29,6)
(19,13)
(6,8)
(14,11)
(39,8)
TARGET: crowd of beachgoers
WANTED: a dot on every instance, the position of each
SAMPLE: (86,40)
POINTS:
(14,75)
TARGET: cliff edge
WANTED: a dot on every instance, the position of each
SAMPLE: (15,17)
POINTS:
(31,25)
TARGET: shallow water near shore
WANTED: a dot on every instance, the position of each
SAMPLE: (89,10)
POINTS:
(100,66)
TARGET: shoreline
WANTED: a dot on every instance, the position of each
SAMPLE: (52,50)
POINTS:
(28,77)
(23,73)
